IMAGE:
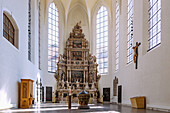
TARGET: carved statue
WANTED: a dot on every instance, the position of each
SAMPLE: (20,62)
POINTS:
(62,83)
(60,58)
(56,76)
(91,78)
(67,84)
(78,25)
(65,55)
(135,48)
(73,87)
(94,58)
(78,84)
(71,34)
(86,86)
(86,44)
(115,82)
(90,56)
(98,77)
(93,86)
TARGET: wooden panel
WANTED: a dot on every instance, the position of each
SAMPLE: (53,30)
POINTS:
(26,91)
(138,102)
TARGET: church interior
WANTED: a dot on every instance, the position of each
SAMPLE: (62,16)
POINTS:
(114,50)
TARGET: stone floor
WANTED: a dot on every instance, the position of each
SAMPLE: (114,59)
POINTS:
(94,108)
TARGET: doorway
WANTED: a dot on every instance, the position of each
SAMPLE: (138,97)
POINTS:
(42,93)
(49,94)
(120,94)
(106,94)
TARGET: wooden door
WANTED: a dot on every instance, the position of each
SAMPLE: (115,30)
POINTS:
(42,93)
(49,94)
(106,94)
(119,94)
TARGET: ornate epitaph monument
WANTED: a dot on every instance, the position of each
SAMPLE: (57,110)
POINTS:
(77,68)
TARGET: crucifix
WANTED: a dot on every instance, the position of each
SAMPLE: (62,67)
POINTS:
(135,56)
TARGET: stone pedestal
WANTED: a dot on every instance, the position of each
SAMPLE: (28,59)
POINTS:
(115,99)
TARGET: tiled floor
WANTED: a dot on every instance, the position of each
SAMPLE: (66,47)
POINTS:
(94,108)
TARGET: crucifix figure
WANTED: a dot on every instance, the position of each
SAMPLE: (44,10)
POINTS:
(135,57)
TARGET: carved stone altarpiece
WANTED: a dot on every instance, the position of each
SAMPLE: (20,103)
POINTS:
(77,68)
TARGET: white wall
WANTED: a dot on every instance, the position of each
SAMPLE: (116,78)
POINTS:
(14,62)
(151,79)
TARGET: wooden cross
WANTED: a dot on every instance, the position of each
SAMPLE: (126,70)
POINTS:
(135,56)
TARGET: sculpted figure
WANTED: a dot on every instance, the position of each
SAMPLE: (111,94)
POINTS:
(115,86)
(94,58)
(135,51)
(78,25)
(60,58)
(98,77)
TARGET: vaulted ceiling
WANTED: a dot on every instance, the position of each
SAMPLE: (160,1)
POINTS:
(87,4)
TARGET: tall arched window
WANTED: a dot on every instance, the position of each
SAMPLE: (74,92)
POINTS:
(53,38)
(29,31)
(8,29)
(130,31)
(154,23)
(117,36)
(102,40)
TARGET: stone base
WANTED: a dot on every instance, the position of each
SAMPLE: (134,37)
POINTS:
(83,107)
(115,99)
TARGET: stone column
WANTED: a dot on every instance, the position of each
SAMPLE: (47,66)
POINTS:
(87,79)
(84,75)
(67,76)
(69,55)
(70,75)
(83,55)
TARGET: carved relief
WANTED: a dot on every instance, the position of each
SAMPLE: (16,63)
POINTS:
(24,90)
